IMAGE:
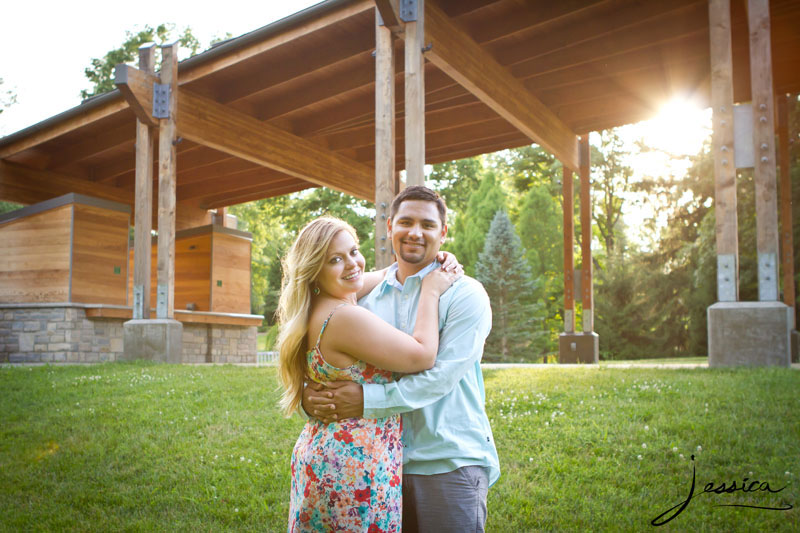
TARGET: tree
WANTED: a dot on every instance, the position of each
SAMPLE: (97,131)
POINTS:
(611,182)
(517,328)
(101,72)
(455,180)
(472,224)
(7,98)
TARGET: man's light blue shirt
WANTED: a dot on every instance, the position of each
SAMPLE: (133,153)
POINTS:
(445,425)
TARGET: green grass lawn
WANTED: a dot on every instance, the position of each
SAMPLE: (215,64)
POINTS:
(147,447)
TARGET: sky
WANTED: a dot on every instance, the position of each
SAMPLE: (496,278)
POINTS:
(46,45)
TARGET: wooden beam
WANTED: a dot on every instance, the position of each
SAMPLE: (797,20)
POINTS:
(569,260)
(384,138)
(167,169)
(415,98)
(388,15)
(719,15)
(254,193)
(137,91)
(75,120)
(222,128)
(587,287)
(332,16)
(206,122)
(143,219)
(787,239)
(461,58)
(29,186)
(765,171)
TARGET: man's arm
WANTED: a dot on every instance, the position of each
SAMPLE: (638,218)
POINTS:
(467,324)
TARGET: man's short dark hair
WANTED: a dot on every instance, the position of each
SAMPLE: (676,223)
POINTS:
(420,192)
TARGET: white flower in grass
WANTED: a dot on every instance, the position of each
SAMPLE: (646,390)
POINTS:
(236,510)
(681,456)
(699,448)
(547,423)
(788,473)
(674,449)
(241,458)
(647,428)
(639,457)
(644,445)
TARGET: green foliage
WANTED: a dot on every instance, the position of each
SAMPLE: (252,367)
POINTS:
(7,207)
(455,180)
(517,318)
(472,224)
(7,98)
(611,181)
(101,71)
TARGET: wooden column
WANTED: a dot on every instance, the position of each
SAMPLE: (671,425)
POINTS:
(587,290)
(384,139)
(415,98)
(787,240)
(764,144)
(143,221)
(722,145)
(167,157)
(569,260)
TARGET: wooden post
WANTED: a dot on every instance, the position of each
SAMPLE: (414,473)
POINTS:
(787,240)
(415,98)
(722,144)
(167,156)
(569,261)
(587,317)
(764,149)
(384,139)
(143,220)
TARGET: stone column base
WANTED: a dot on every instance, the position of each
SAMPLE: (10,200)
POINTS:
(579,348)
(159,339)
(749,333)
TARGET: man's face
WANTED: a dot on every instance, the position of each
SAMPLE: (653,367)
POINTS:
(416,232)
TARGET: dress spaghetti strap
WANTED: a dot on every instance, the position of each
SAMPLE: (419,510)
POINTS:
(324,325)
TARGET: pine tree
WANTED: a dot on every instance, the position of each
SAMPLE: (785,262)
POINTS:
(471,225)
(517,329)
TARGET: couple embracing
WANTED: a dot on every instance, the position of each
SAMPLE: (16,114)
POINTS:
(406,340)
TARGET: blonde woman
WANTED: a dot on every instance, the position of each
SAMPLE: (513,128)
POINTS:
(346,476)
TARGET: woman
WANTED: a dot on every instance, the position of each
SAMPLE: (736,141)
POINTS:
(346,475)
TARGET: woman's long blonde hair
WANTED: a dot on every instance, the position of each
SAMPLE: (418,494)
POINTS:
(301,266)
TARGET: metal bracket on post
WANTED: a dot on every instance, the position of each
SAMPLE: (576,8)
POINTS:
(767,277)
(138,312)
(726,278)
(160,100)
(408,10)
(161,301)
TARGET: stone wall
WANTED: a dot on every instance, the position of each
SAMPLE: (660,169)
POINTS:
(47,334)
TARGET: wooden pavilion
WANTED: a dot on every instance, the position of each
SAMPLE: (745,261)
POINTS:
(348,92)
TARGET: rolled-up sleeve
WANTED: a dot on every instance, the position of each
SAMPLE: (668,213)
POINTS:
(468,320)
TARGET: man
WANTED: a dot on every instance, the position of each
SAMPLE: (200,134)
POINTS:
(450,459)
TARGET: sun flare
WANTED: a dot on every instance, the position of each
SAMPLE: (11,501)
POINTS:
(679,128)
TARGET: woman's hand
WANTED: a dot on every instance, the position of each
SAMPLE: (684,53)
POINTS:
(448,261)
(439,281)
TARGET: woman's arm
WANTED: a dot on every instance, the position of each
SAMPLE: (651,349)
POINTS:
(448,261)
(371,280)
(360,334)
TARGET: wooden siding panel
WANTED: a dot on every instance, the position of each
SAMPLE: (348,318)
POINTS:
(34,263)
(231,266)
(100,247)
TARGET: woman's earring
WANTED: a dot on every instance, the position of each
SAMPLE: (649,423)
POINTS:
(315,290)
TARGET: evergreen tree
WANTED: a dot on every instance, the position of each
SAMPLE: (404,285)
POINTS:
(471,225)
(517,330)
(101,73)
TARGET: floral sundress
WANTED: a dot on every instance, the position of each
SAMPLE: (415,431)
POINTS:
(346,476)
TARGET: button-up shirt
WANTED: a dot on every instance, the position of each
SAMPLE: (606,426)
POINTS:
(445,425)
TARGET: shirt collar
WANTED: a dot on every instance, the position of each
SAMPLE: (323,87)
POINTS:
(390,279)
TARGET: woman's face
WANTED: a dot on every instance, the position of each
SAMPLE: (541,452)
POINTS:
(343,268)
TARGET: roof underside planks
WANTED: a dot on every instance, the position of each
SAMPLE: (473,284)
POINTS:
(592,64)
